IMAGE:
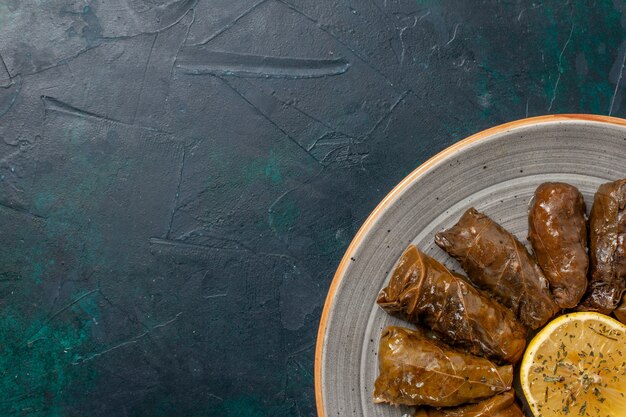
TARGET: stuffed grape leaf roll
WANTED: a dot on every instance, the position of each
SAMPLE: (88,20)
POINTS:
(557,230)
(499,264)
(424,292)
(607,247)
(417,370)
(620,311)
(502,405)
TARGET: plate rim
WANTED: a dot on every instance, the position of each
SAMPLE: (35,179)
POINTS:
(384,203)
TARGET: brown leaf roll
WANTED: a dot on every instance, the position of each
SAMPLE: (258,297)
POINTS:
(502,405)
(620,311)
(499,264)
(607,247)
(423,291)
(416,370)
(557,230)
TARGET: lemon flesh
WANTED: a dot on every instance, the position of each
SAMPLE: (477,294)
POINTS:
(576,366)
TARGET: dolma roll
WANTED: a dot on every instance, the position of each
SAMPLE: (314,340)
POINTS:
(424,292)
(557,230)
(607,249)
(620,311)
(502,405)
(499,264)
(417,370)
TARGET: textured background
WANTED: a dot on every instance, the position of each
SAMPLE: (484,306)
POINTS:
(173,204)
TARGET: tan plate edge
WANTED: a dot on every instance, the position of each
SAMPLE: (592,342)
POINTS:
(396,190)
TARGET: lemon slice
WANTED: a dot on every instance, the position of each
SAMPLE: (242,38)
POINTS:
(576,366)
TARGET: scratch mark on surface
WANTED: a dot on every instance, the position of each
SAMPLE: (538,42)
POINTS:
(55,105)
(193,60)
(340,150)
(332,35)
(21,397)
(193,19)
(32,339)
(60,62)
(143,78)
(619,80)
(388,114)
(268,102)
(302,349)
(20,146)
(308,115)
(559,67)
(175,244)
(107,39)
(344,155)
(385,15)
(71,303)
(231,23)
(69,69)
(21,210)
(224,239)
(120,345)
(179,11)
(187,5)
(535,6)
(300,366)
(130,341)
(456,27)
(341,147)
(270,209)
(168,322)
(312,146)
(402,30)
(270,120)
(128,315)
(424,15)
(6,69)
(215,295)
(177,197)
(9,94)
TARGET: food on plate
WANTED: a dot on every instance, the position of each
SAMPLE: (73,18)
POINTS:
(620,311)
(424,292)
(607,237)
(417,370)
(467,327)
(557,230)
(502,405)
(575,366)
(498,263)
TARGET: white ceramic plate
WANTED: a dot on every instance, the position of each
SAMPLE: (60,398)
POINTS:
(495,171)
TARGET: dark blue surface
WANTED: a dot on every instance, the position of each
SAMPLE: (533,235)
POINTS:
(180,179)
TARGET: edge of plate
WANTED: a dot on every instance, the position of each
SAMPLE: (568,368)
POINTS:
(382,206)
